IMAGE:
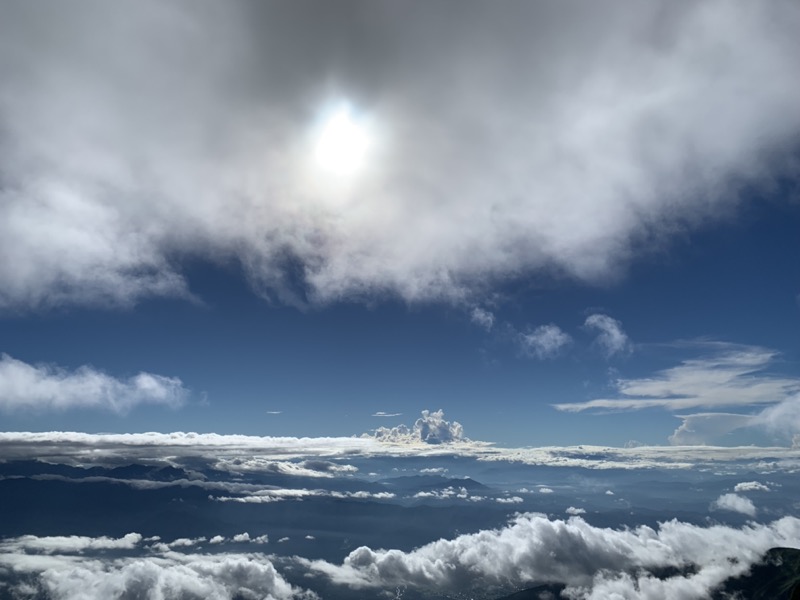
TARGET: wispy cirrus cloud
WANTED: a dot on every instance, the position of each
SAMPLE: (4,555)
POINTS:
(610,335)
(46,387)
(733,375)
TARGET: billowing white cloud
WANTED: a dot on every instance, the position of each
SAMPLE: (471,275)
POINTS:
(733,375)
(575,511)
(587,559)
(751,486)
(610,335)
(546,341)
(167,574)
(430,428)
(735,503)
(509,500)
(523,138)
(47,387)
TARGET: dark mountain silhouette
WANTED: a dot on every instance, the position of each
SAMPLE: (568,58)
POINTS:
(777,577)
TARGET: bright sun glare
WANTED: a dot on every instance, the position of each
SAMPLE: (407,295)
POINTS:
(342,143)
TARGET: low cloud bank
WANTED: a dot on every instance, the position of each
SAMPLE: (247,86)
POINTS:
(66,568)
(242,453)
(592,562)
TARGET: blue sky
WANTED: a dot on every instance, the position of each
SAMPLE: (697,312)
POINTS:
(494,247)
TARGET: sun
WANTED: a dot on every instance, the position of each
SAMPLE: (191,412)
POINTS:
(342,142)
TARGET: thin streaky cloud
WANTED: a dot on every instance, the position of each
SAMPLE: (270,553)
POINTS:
(733,376)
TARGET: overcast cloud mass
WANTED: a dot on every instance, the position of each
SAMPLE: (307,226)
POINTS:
(306,236)
(532,140)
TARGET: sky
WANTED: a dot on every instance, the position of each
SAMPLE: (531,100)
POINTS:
(560,224)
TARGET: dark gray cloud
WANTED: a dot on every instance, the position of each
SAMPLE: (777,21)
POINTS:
(504,140)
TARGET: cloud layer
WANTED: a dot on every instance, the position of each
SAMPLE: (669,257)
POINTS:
(510,140)
(592,561)
(729,375)
(46,387)
(66,568)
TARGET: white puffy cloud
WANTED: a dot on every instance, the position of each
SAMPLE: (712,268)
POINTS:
(522,138)
(575,511)
(509,500)
(430,428)
(69,567)
(732,375)
(751,486)
(434,470)
(46,387)
(610,335)
(221,577)
(586,558)
(735,503)
(546,341)
(450,492)
(185,542)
